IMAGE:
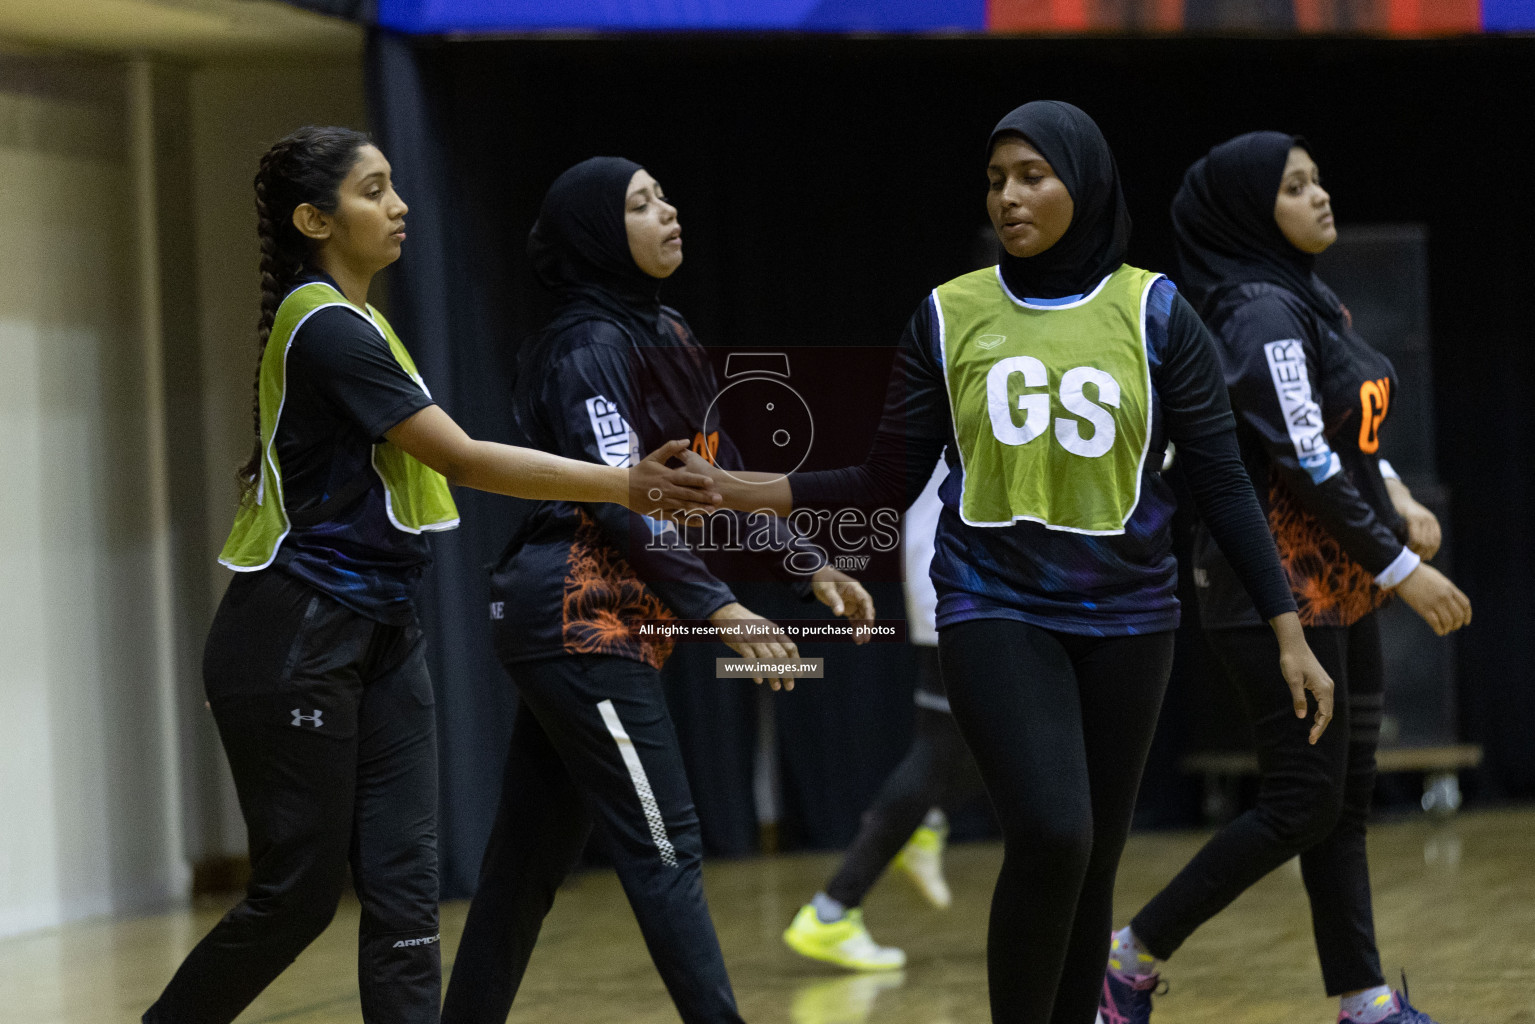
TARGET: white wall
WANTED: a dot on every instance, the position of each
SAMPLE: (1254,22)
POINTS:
(83,755)
(128,298)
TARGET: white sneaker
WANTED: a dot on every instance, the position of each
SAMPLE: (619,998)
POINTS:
(921,859)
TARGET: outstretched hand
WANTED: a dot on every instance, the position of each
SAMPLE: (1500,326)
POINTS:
(762,640)
(1303,672)
(656,487)
(1440,603)
(846,597)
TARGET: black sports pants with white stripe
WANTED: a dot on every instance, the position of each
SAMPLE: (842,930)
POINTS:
(328,721)
(593,744)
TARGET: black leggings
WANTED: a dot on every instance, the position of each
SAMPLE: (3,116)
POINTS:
(937,771)
(1312,801)
(593,743)
(328,722)
(1059,725)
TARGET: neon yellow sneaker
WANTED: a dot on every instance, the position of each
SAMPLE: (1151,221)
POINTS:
(846,943)
(922,861)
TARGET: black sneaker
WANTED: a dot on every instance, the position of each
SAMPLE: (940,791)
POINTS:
(1402,1012)
(1127,998)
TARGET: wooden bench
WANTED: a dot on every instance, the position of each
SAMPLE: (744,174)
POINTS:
(1222,769)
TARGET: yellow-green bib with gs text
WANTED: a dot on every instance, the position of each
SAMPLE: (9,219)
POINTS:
(1051,402)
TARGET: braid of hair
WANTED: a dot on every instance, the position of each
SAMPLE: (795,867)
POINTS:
(305,167)
(272,288)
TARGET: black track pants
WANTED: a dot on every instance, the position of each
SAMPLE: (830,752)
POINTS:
(327,719)
(1059,725)
(593,743)
(937,771)
(1312,801)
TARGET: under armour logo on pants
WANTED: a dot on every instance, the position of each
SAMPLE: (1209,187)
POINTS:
(299,719)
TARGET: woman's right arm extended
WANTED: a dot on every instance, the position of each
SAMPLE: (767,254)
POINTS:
(431,437)
(912,432)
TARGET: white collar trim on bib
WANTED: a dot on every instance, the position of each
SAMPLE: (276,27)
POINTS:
(1049,304)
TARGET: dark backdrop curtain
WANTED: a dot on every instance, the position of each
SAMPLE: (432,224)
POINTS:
(825,185)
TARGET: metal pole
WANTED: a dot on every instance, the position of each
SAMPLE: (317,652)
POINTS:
(141,107)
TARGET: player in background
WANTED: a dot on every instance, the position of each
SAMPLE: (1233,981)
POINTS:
(906,825)
(1311,399)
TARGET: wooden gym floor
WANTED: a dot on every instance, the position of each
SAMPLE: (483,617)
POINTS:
(1455,906)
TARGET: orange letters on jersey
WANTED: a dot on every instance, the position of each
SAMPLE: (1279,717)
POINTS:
(1374,399)
(707,447)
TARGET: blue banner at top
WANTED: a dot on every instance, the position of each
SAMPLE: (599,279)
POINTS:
(1385,17)
(448,16)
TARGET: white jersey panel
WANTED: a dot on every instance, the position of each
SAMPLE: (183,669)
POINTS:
(917,530)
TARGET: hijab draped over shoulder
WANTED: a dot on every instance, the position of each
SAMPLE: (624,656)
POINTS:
(1095,243)
(1224,226)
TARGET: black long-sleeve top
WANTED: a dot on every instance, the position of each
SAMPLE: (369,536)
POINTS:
(1311,399)
(1070,582)
(584,578)
(344,391)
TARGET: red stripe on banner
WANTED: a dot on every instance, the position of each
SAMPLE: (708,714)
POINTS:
(1037,15)
(1167,15)
(1071,14)
(1395,17)
(1401,17)
(1433,17)
(1312,15)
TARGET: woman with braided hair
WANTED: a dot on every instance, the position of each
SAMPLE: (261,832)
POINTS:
(314,666)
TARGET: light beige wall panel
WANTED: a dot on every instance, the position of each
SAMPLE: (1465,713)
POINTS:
(80,748)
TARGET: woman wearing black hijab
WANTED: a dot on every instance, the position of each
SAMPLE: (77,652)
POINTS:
(1311,398)
(1054,383)
(593,743)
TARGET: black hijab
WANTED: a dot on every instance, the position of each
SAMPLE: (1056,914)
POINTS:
(1095,243)
(579,246)
(1223,221)
(579,249)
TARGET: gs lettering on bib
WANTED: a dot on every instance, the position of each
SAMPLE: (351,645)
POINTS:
(1051,403)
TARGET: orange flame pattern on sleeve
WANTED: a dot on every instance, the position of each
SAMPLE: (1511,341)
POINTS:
(605,602)
(1331,589)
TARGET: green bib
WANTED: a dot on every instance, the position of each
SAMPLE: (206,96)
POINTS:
(415,497)
(1051,404)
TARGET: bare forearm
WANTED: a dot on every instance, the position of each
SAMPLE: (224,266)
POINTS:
(528,473)
(1287,629)
(432,437)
